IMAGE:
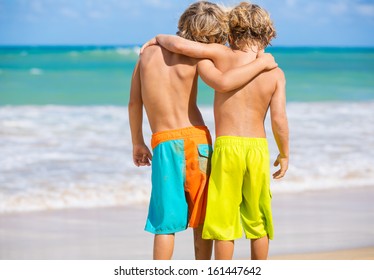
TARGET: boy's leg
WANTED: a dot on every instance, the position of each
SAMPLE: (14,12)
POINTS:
(163,246)
(223,249)
(260,248)
(256,205)
(168,208)
(203,247)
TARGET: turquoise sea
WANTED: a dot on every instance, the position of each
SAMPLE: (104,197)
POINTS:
(101,75)
(65,140)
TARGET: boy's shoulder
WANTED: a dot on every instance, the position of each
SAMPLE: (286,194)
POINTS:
(274,77)
(278,74)
(149,52)
(155,52)
(218,49)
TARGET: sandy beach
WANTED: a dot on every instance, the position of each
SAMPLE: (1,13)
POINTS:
(325,225)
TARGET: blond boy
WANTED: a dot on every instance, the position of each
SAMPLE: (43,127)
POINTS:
(165,83)
(239,194)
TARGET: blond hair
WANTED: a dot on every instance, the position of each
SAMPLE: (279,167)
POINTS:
(204,22)
(251,25)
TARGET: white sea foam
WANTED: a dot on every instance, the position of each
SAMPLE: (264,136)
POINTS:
(74,53)
(63,157)
(36,71)
(123,51)
(136,50)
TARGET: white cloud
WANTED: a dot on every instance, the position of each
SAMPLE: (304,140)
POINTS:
(365,9)
(158,3)
(291,3)
(97,14)
(37,6)
(338,8)
(69,13)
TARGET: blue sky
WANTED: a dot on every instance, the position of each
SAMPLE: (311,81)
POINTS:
(122,22)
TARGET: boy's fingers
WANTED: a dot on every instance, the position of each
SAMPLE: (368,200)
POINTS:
(279,174)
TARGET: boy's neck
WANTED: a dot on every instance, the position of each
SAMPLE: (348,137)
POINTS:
(245,46)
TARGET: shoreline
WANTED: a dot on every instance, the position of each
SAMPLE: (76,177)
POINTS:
(365,253)
(329,224)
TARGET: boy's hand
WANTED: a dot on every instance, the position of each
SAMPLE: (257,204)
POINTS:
(267,60)
(141,155)
(151,42)
(283,162)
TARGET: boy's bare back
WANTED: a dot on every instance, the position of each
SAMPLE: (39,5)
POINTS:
(169,89)
(242,112)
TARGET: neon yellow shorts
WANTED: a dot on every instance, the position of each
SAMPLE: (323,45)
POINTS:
(239,190)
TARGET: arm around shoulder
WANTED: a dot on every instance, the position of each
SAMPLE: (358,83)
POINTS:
(186,47)
(233,78)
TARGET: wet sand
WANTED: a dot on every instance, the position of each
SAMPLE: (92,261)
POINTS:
(324,225)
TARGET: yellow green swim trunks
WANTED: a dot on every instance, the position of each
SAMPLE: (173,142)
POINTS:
(239,195)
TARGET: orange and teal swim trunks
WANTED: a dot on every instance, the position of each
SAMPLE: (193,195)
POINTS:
(180,173)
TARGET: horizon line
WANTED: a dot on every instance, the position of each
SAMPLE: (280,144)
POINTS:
(139,45)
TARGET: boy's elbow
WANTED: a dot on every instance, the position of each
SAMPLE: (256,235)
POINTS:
(223,86)
(280,122)
(132,105)
(177,47)
(280,127)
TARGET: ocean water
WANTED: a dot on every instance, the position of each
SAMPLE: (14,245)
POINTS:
(65,139)
(102,75)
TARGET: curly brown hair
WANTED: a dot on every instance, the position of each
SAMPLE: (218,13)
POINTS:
(251,24)
(204,22)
